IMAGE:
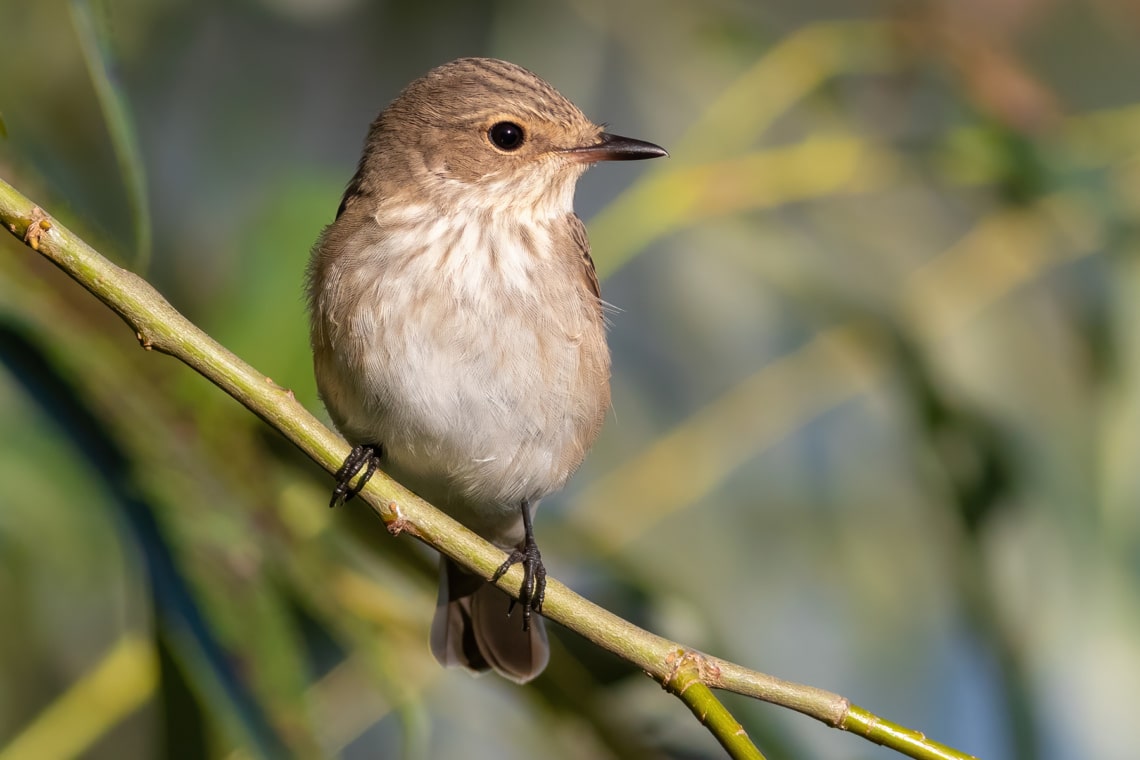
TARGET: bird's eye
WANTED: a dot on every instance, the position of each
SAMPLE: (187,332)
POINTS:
(506,135)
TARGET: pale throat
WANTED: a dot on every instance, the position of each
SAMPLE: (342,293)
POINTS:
(494,234)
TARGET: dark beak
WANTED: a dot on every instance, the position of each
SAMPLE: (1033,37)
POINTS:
(616,148)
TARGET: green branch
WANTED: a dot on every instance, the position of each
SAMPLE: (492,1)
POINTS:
(687,683)
(686,673)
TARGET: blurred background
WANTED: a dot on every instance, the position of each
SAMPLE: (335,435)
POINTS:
(876,418)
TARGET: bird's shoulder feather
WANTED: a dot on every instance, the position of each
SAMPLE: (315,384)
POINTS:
(582,243)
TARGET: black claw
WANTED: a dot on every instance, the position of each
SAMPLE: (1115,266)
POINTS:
(358,458)
(532,592)
(539,584)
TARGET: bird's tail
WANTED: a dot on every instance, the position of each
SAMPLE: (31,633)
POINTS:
(471,629)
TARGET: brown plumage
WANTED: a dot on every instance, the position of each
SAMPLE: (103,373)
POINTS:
(457,325)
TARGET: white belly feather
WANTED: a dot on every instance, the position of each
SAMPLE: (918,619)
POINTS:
(476,367)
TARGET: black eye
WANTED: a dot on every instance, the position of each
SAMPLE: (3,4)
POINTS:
(507,135)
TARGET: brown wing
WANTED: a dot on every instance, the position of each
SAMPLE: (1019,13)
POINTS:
(582,243)
(350,193)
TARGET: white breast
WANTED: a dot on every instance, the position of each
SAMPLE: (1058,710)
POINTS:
(471,358)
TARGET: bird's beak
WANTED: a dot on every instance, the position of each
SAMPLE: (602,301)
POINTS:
(615,148)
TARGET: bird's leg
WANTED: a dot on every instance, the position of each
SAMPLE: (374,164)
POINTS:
(365,454)
(532,592)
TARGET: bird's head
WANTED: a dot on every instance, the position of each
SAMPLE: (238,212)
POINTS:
(483,134)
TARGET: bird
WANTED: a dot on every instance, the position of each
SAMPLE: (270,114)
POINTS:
(458,330)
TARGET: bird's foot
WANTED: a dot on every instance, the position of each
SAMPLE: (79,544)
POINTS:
(365,456)
(532,592)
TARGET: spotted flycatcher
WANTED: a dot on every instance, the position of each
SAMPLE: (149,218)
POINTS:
(457,329)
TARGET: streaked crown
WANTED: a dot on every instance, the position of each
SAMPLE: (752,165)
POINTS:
(483,132)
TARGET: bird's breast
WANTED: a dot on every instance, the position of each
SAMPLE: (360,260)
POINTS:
(475,357)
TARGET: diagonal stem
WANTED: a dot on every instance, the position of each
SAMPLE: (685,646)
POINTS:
(687,683)
(159,327)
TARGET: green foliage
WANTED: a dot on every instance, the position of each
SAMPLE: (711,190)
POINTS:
(877,387)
